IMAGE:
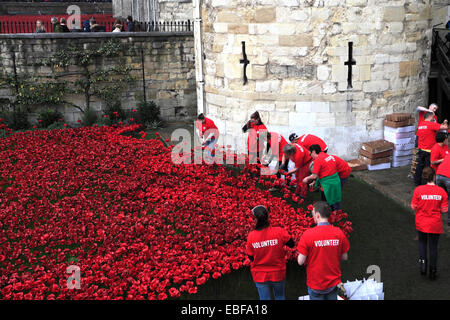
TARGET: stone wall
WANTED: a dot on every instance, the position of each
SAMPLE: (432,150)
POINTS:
(151,10)
(297,76)
(168,65)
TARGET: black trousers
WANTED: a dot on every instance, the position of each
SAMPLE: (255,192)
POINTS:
(423,160)
(428,241)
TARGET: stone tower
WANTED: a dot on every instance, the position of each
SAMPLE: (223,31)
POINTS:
(299,60)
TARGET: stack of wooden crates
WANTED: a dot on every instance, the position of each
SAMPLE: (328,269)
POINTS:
(377,154)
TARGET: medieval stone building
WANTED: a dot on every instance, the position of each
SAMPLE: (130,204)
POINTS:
(332,68)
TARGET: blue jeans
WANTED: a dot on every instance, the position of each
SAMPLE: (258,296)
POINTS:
(210,145)
(332,295)
(265,289)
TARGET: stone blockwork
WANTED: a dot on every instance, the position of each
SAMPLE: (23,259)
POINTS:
(168,65)
(151,10)
(297,78)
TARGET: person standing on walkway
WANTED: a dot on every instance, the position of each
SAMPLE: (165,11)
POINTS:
(428,202)
(443,179)
(325,173)
(322,248)
(439,150)
(265,249)
(208,133)
(426,131)
(255,126)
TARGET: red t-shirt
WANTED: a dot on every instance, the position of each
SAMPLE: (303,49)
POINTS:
(438,153)
(342,167)
(324,165)
(208,125)
(253,137)
(422,116)
(430,201)
(426,131)
(278,139)
(267,248)
(301,157)
(307,140)
(444,167)
(323,247)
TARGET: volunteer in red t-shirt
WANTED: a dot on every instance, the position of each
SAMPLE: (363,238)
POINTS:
(307,140)
(208,133)
(343,169)
(322,248)
(439,150)
(265,248)
(429,201)
(426,132)
(301,159)
(275,143)
(422,110)
(325,172)
(443,178)
(256,127)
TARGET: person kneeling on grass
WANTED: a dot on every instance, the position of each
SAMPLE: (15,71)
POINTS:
(265,249)
(326,173)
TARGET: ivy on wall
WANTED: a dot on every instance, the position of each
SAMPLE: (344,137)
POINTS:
(91,78)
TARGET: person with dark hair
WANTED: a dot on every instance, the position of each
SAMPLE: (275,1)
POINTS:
(265,249)
(208,133)
(94,27)
(439,150)
(326,174)
(64,27)
(130,24)
(322,248)
(301,159)
(307,140)
(56,26)
(86,26)
(428,202)
(426,132)
(255,127)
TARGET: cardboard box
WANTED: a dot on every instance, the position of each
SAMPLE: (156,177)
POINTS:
(400,140)
(381,166)
(375,161)
(357,165)
(369,155)
(377,146)
(411,128)
(403,163)
(399,153)
(405,146)
(394,124)
(398,135)
(398,117)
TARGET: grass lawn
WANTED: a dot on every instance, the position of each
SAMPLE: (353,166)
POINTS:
(384,235)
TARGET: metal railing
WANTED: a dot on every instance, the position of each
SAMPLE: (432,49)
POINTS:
(166,26)
(441,50)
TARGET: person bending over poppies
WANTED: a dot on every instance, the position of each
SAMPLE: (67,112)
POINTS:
(301,159)
(326,174)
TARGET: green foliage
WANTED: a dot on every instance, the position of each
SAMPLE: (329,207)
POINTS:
(56,125)
(47,117)
(16,119)
(115,113)
(89,117)
(148,112)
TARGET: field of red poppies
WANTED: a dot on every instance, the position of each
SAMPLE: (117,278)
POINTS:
(137,225)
